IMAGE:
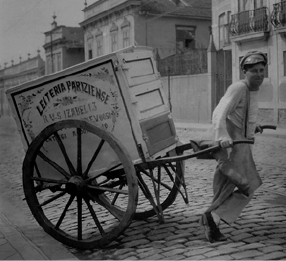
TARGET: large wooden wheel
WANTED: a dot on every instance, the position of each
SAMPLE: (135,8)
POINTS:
(80,184)
(158,187)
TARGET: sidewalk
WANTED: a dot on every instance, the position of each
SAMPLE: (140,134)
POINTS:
(21,238)
(15,245)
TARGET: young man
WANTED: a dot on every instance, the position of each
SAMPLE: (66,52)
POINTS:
(236,177)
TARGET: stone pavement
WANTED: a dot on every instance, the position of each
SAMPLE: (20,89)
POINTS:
(259,234)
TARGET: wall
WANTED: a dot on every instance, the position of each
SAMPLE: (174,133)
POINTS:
(272,94)
(272,107)
(278,49)
(162,32)
(219,7)
(190,96)
(17,74)
(72,57)
(105,29)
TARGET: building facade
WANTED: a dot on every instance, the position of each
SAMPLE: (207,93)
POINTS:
(244,25)
(168,26)
(16,74)
(64,47)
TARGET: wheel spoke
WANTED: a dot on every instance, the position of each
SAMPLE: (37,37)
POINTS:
(148,194)
(79,152)
(107,182)
(54,165)
(170,175)
(73,194)
(65,211)
(175,171)
(103,173)
(79,217)
(159,180)
(37,170)
(94,217)
(156,180)
(166,184)
(93,157)
(156,193)
(106,189)
(49,180)
(63,149)
(176,185)
(116,195)
(102,200)
(52,199)
(172,167)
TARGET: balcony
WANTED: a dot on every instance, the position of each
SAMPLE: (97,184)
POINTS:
(250,25)
(278,17)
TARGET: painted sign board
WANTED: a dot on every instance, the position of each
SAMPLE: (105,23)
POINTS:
(91,93)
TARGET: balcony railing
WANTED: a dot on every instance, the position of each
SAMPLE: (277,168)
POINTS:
(250,21)
(278,16)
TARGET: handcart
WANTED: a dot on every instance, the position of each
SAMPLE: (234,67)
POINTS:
(101,147)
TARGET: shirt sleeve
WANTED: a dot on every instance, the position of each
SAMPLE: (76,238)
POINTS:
(226,106)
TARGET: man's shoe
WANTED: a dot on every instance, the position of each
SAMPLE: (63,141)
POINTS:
(211,230)
(219,236)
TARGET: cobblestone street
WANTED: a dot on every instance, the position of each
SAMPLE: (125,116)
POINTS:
(260,232)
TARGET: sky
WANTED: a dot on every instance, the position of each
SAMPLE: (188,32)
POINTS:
(24,22)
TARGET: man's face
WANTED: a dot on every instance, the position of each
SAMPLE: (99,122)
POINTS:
(255,76)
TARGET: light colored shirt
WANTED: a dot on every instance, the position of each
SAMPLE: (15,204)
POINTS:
(233,106)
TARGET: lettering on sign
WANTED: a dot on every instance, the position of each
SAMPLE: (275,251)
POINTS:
(76,87)
(72,98)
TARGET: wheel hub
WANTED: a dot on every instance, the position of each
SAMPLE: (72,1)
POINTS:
(75,185)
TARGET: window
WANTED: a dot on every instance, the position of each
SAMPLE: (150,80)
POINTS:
(258,3)
(242,5)
(99,43)
(241,74)
(224,37)
(1,101)
(284,62)
(185,38)
(54,63)
(126,38)
(59,62)
(125,27)
(283,13)
(221,30)
(89,48)
(114,37)
(228,27)
(49,64)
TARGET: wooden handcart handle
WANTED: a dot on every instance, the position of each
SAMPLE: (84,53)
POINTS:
(158,162)
(272,127)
